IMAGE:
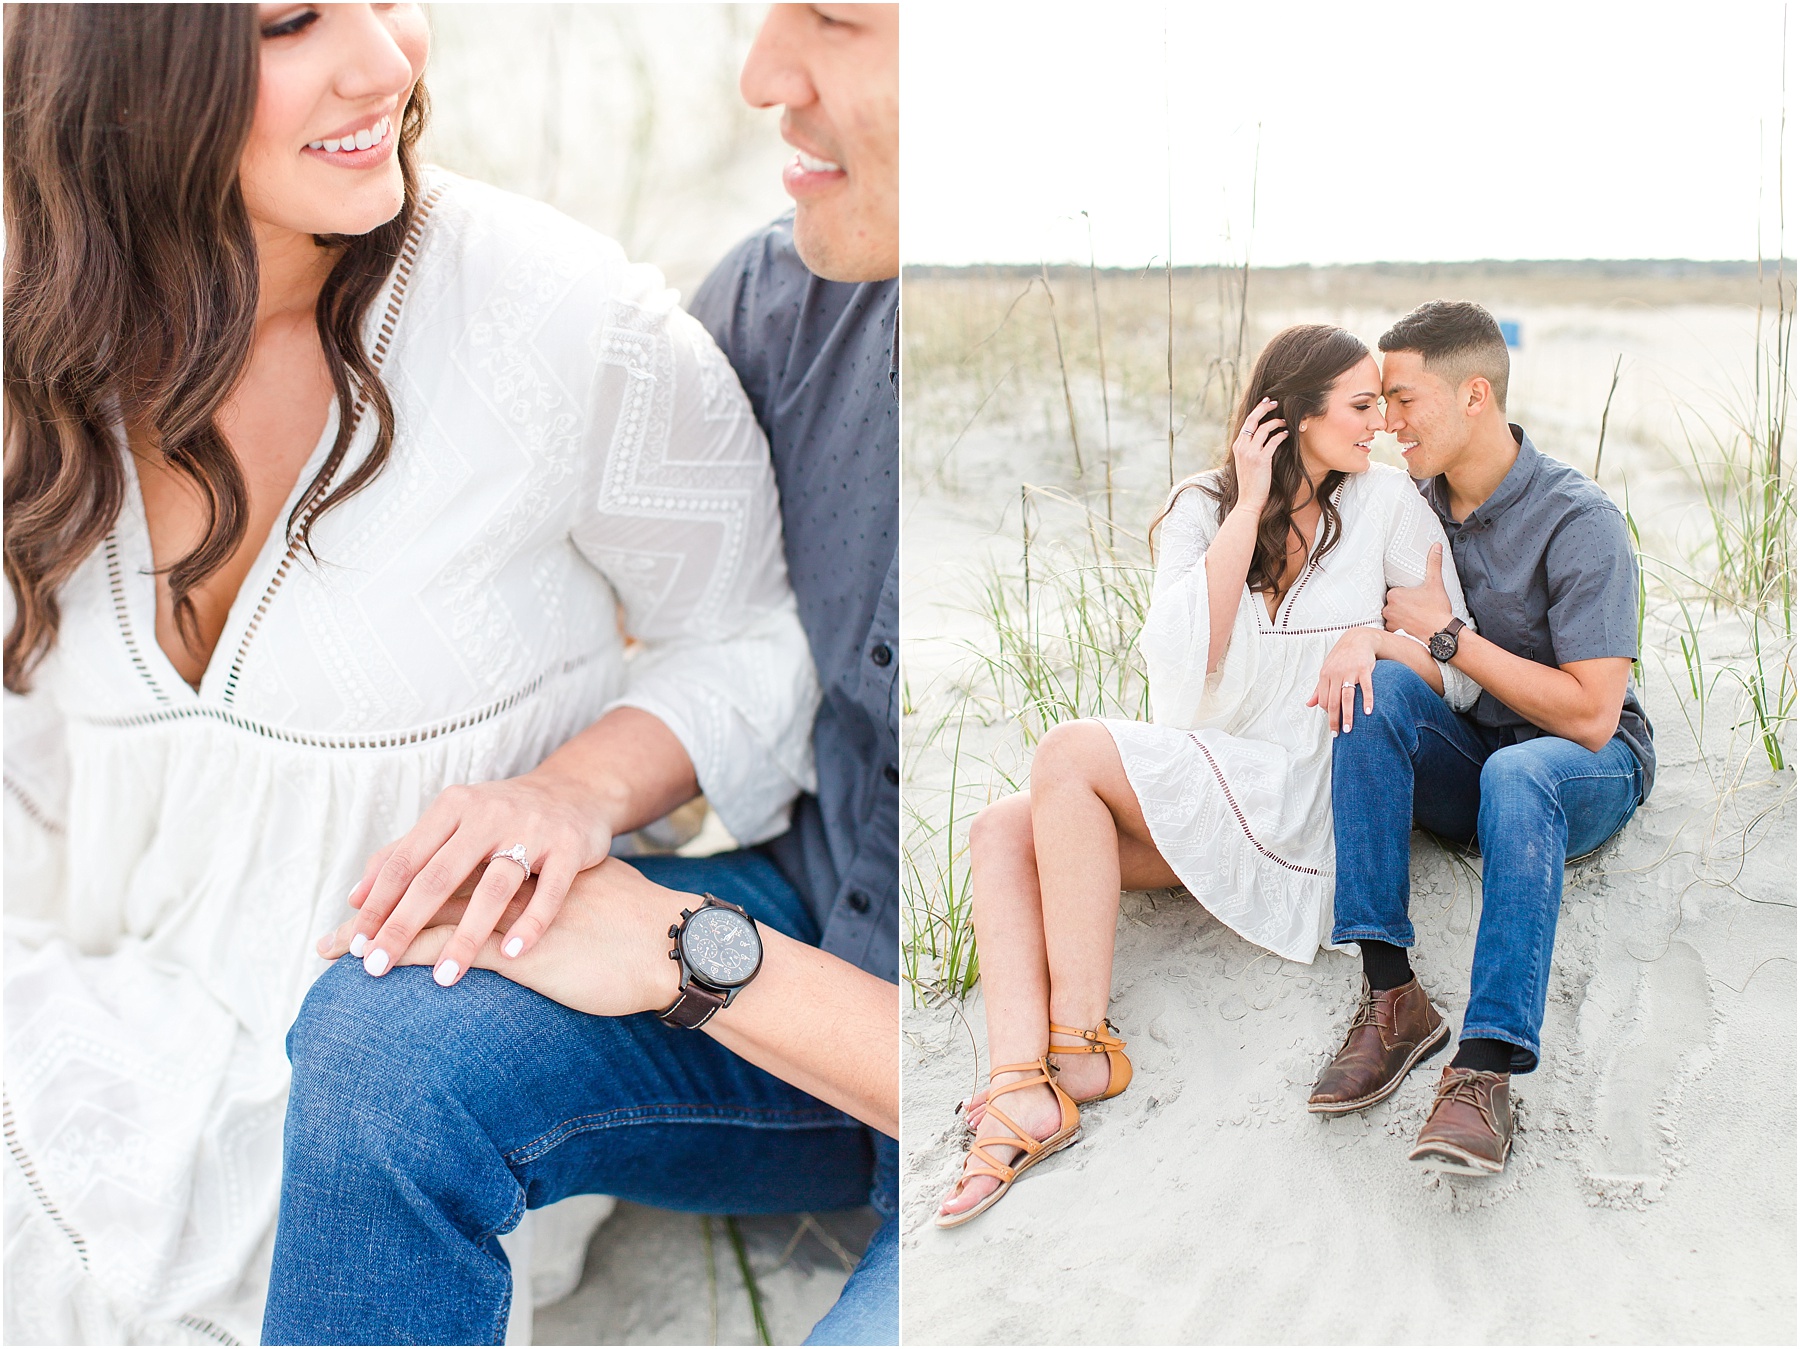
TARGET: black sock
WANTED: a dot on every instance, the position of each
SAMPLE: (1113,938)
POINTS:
(1385,966)
(1484,1056)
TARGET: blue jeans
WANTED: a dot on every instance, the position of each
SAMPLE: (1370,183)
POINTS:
(423,1122)
(1529,805)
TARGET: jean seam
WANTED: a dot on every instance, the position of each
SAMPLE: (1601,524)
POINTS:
(559,1134)
(1338,938)
(506,1224)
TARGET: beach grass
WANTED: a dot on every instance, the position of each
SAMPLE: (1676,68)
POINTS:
(1007,387)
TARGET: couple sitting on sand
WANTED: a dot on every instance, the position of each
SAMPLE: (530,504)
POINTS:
(1319,685)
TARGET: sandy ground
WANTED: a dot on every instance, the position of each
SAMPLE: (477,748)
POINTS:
(646,1279)
(1651,1193)
(1650,1196)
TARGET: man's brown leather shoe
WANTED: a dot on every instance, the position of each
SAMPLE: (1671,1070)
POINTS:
(1391,1031)
(1469,1130)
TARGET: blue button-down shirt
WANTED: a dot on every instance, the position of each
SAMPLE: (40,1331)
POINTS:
(1547,569)
(817,359)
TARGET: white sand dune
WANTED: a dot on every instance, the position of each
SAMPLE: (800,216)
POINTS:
(1650,1196)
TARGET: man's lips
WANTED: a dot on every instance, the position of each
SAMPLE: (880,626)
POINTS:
(807,175)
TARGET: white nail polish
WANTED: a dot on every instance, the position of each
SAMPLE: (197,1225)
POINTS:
(445,973)
(358,944)
(513,947)
(376,962)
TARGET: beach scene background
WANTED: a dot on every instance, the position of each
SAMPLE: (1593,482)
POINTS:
(1074,342)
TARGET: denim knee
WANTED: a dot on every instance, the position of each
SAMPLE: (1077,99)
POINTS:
(383,1046)
(1517,782)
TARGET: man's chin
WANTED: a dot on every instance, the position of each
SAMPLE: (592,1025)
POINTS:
(1419,467)
(837,250)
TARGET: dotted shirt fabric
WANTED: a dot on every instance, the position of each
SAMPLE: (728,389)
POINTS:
(817,359)
(1548,571)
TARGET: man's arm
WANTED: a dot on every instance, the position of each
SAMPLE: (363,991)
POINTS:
(820,1024)
(811,1019)
(1579,701)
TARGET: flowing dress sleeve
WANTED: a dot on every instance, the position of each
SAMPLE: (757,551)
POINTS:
(37,791)
(1412,529)
(682,519)
(1177,637)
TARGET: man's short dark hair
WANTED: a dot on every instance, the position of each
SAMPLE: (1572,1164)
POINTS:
(1457,340)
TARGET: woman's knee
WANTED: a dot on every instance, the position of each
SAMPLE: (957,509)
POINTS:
(1002,828)
(1072,753)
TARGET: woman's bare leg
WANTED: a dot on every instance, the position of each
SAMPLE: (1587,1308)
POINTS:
(1091,840)
(1017,934)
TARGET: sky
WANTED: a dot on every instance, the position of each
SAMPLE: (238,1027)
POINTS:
(1382,132)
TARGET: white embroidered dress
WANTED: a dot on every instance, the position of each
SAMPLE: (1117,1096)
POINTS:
(573,458)
(1234,772)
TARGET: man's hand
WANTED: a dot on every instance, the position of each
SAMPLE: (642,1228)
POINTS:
(606,953)
(1424,609)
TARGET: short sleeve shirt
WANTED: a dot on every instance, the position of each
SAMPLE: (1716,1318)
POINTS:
(1547,568)
(817,359)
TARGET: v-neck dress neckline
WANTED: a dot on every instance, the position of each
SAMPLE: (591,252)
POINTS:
(135,599)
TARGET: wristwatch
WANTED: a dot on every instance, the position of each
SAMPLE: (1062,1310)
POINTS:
(720,951)
(1443,644)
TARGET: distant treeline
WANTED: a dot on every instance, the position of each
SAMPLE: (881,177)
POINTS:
(1664,268)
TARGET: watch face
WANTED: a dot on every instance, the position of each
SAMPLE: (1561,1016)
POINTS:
(721,947)
(1443,646)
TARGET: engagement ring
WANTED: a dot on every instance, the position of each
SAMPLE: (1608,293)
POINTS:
(516,853)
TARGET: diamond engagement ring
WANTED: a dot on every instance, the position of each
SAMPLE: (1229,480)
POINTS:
(516,853)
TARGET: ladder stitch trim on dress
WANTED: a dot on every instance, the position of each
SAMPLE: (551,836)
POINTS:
(409,254)
(36,813)
(388,740)
(1243,823)
(31,1178)
(124,616)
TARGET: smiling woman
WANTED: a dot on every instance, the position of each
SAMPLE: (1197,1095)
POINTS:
(333,487)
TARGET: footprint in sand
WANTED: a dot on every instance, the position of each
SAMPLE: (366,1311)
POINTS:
(1673,1013)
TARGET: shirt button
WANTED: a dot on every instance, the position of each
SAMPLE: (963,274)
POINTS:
(858,901)
(892,774)
(882,654)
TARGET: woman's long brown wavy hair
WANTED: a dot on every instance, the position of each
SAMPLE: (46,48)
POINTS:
(1297,369)
(131,288)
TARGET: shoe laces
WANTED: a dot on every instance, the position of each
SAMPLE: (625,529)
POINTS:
(1368,1014)
(1467,1089)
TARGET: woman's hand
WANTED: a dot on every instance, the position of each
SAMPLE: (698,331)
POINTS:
(406,884)
(607,953)
(1348,666)
(1254,454)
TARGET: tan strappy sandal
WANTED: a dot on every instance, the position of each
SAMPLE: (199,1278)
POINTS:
(984,1163)
(1102,1039)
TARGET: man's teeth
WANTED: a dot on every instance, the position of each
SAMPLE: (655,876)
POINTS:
(812,165)
(362,140)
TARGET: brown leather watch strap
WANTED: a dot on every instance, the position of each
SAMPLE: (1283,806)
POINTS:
(693,1008)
